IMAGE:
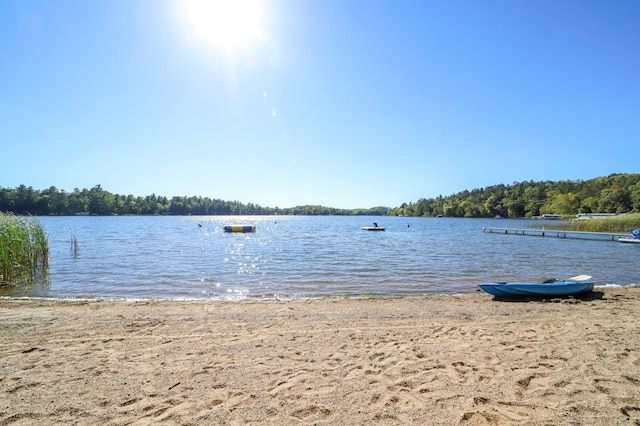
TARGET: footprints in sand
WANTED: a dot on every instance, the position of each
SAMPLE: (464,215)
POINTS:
(310,410)
(257,366)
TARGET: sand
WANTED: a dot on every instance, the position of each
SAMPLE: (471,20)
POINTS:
(439,360)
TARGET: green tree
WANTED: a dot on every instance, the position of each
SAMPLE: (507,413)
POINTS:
(565,203)
(100,201)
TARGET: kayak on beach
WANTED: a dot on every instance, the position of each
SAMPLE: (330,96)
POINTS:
(574,285)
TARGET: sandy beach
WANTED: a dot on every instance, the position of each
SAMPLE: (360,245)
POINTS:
(439,360)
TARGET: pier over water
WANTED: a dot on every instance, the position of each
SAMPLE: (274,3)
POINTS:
(541,232)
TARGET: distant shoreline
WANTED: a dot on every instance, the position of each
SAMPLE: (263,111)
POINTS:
(612,193)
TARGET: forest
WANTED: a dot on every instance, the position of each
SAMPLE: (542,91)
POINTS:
(616,193)
(25,200)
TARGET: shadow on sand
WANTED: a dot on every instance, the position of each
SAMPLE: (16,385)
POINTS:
(584,297)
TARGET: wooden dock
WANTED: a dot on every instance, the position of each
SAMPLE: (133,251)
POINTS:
(541,232)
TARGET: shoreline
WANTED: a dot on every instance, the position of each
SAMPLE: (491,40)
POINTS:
(478,291)
(434,359)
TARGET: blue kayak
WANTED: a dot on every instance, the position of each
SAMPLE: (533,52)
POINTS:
(555,288)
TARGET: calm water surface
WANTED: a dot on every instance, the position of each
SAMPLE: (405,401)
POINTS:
(308,256)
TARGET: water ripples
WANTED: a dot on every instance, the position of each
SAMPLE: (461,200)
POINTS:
(191,257)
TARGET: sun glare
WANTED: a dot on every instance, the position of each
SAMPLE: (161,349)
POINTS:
(228,24)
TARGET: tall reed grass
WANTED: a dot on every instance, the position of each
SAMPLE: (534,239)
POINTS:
(622,223)
(24,249)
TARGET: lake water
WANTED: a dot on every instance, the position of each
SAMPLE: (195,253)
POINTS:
(307,256)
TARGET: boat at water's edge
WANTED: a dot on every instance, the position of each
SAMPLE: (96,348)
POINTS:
(629,240)
(556,288)
(635,237)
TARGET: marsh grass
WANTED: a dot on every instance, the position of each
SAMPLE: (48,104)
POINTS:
(24,249)
(614,224)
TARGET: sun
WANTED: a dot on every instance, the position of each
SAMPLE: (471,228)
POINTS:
(228,24)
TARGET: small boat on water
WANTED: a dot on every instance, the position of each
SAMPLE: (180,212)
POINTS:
(568,287)
(375,227)
(636,237)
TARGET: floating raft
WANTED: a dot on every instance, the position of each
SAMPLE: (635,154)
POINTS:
(240,228)
(537,232)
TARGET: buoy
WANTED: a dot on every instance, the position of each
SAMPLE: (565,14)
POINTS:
(240,228)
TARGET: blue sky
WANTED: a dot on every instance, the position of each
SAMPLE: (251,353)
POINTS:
(342,103)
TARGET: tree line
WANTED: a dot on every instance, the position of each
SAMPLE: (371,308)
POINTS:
(97,201)
(616,193)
